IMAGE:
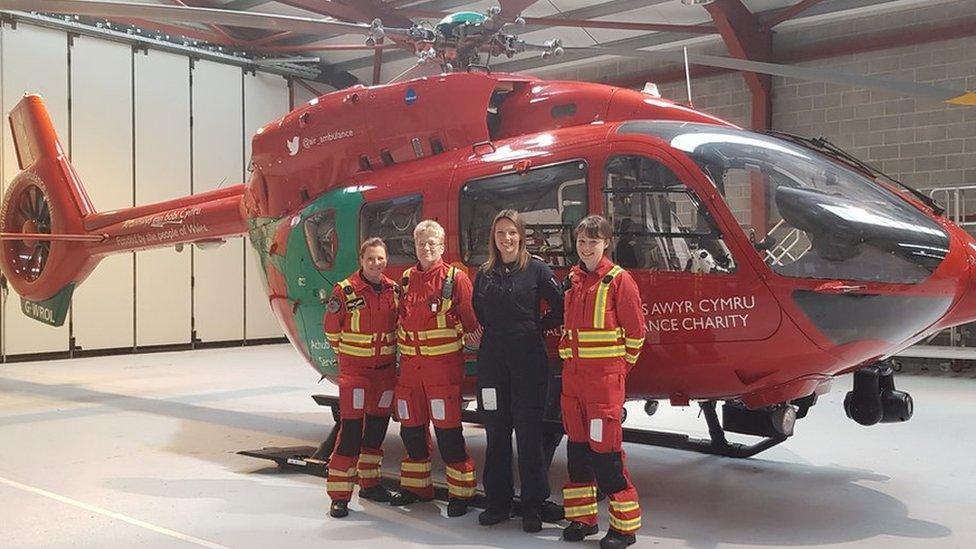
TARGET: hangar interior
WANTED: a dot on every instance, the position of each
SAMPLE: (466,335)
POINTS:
(107,444)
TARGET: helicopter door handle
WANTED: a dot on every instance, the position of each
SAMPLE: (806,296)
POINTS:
(837,287)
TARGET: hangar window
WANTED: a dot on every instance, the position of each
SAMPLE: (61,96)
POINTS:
(393,221)
(658,222)
(551,200)
(323,243)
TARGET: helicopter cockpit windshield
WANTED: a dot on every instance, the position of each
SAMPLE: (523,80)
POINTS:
(825,220)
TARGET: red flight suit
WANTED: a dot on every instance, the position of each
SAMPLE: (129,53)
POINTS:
(360,324)
(603,335)
(432,322)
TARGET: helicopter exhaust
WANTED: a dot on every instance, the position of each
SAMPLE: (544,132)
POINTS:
(875,399)
(51,237)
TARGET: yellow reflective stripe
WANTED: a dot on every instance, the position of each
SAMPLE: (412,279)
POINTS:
(353,337)
(634,343)
(332,337)
(580,511)
(415,482)
(600,304)
(424,335)
(625,526)
(410,467)
(407,351)
(436,350)
(631,358)
(610,351)
(355,351)
(350,472)
(599,336)
(461,492)
(624,506)
(565,353)
(339,486)
(369,473)
(369,458)
(458,475)
(582,492)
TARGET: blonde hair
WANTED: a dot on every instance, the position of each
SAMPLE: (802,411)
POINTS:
(494,255)
(370,243)
(430,227)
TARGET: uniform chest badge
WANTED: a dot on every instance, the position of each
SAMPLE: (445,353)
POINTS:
(356,304)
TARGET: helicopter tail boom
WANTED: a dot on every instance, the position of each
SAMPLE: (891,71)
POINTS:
(51,237)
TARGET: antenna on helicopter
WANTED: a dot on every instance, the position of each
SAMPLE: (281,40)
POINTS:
(688,79)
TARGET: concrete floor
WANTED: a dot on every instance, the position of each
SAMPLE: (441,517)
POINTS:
(140,450)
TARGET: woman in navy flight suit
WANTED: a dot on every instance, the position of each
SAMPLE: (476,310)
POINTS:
(513,370)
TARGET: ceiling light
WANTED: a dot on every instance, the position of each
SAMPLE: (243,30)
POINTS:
(696,2)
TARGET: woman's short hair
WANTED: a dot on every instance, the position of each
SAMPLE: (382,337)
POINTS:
(430,227)
(594,226)
(370,243)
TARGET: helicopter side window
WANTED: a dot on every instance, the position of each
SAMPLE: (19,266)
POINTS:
(658,222)
(393,221)
(320,235)
(551,200)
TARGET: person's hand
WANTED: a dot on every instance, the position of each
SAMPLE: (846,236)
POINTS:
(472,340)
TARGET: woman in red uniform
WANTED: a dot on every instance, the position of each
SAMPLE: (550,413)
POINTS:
(360,324)
(435,312)
(602,337)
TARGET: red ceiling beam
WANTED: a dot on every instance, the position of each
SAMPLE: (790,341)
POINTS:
(789,13)
(746,39)
(225,34)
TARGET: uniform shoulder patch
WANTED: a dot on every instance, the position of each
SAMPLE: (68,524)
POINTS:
(347,290)
(607,279)
(333,305)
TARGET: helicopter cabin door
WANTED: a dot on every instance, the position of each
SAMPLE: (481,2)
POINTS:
(671,234)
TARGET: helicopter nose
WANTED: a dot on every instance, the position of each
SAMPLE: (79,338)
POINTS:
(965,309)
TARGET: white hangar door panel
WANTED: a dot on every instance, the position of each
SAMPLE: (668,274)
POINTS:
(162,153)
(34,60)
(101,150)
(218,159)
(265,100)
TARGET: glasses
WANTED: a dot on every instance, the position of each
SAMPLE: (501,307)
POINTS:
(429,244)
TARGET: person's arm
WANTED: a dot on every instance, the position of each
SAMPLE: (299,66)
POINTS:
(335,312)
(477,297)
(551,291)
(462,301)
(630,317)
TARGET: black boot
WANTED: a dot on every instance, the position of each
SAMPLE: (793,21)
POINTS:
(405,497)
(491,517)
(376,493)
(576,531)
(457,507)
(551,512)
(339,508)
(617,540)
(531,522)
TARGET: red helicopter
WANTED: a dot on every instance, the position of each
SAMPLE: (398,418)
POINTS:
(758,309)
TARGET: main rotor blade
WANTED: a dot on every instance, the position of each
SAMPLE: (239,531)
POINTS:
(211,16)
(945,95)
